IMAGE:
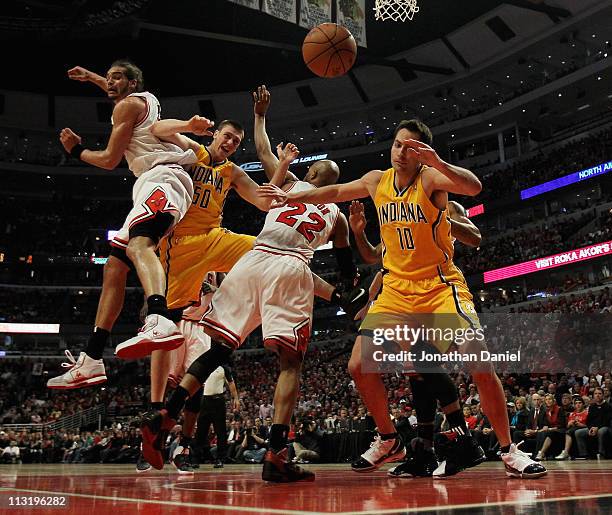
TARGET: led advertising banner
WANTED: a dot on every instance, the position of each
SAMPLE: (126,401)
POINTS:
(545,263)
(255,166)
(582,175)
(6,327)
(476,210)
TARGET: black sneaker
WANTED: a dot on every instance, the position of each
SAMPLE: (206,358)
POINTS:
(380,452)
(456,453)
(142,465)
(276,469)
(218,464)
(181,460)
(421,462)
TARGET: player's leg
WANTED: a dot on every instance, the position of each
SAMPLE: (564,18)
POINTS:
(276,467)
(492,398)
(89,370)
(387,447)
(421,460)
(161,200)
(230,318)
(181,457)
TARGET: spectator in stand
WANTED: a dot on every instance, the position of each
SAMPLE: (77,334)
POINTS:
(536,420)
(553,432)
(10,454)
(473,395)
(265,409)
(362,421)
(598,423)
(470,420)
(576,420)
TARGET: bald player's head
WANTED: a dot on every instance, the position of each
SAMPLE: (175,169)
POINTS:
(323,173)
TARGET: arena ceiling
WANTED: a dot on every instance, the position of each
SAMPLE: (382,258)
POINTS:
(189,47)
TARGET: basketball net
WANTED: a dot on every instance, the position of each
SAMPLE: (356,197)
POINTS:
(396,10)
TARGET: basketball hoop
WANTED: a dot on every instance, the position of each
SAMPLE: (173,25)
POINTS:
(396,10)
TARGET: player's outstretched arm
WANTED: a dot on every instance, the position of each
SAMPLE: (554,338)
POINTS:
(462,227)
(125,115)
(261,104)
(83,75)
(286,156)
(357,221)
(359,188)
(247,189)
(170,130)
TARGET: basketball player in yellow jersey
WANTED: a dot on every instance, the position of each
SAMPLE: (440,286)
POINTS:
(411,201)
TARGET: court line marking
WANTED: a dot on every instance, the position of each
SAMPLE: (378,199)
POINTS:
(516,503)
(167,503)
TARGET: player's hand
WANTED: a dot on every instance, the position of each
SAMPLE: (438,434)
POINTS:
(236,404)
(200,126)
(357,219)
(79,73)
(289,153)
(278,196)
(425,154)
(208,288)
(69,139)
(261,101)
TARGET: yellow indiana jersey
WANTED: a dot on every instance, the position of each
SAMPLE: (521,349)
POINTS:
(416,235)
(211,183)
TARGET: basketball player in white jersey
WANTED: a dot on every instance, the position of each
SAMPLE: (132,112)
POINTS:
(162,194)
(271,285)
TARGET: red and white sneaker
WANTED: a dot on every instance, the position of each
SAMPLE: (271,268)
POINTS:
(157,333)
(84,371)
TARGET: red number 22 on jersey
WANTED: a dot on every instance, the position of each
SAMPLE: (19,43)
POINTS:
(288,217)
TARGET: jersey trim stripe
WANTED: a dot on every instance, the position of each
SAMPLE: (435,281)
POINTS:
(434,228)
(279,252)
(462,313)
(144,118)
(167,268)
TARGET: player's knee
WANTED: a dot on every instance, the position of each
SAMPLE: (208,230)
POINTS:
(290,360)
(354,366)
(139,245)
(115,268)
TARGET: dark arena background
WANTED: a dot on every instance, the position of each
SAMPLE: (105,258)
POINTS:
(517,91)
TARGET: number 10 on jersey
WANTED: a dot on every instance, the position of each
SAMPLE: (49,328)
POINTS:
(405,238)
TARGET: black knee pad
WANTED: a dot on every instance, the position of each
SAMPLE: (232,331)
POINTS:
(423,401)
(441,387)
(193,403)
(203,366)
(154,228)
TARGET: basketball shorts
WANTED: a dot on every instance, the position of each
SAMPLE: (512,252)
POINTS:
(197,342)
(165,190)
(274,291)
(187,259)
(443,302)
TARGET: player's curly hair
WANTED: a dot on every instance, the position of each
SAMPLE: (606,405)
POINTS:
(132,72)
(416,125)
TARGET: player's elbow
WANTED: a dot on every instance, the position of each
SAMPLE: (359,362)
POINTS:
(474,187)
(475,239)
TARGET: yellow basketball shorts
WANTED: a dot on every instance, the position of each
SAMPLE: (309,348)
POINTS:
(187,259)
(443,303)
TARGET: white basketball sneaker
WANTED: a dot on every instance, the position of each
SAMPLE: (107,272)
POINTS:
(157,333)
(83,372)
(519,464)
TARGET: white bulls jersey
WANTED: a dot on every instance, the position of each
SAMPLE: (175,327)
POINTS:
(297,229)
(144,150)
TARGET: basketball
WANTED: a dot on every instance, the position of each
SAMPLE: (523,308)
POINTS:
(329,50)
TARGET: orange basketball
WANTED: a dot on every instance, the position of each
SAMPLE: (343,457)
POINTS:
(329,50)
